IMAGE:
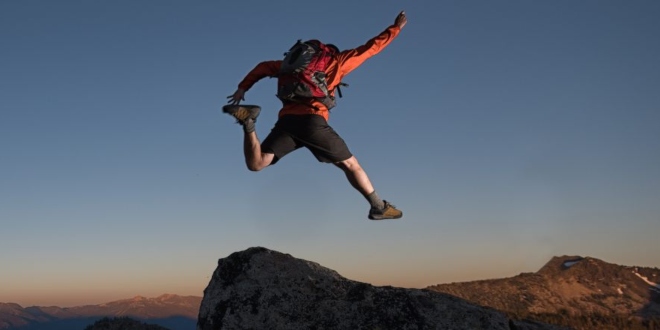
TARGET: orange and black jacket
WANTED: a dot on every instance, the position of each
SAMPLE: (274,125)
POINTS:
(341,65)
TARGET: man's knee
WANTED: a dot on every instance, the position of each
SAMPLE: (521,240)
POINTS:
(256,165)
(350,164)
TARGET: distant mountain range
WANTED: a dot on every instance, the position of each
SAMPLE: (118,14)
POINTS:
(171,311)
(581,292)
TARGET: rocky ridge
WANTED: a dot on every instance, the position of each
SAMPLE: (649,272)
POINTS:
(572,286)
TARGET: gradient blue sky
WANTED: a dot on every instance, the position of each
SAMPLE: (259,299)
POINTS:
(507,131)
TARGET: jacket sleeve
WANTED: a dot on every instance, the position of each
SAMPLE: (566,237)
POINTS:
(262,70)
(350,59)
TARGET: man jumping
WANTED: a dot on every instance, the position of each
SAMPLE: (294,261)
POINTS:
(302,121)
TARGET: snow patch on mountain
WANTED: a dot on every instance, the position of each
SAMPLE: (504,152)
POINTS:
(568,264)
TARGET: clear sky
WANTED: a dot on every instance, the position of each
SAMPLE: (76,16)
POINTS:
(508,132)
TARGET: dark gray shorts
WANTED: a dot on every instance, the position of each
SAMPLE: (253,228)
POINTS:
(310,131)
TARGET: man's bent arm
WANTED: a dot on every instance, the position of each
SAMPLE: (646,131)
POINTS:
(350,59)
(262,70)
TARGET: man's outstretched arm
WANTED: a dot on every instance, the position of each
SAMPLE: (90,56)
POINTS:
(262,70)
(350,59)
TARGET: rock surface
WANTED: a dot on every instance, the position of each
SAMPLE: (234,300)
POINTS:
(264,289)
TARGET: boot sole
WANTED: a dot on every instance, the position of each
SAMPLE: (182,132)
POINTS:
(371,217)
(242,113)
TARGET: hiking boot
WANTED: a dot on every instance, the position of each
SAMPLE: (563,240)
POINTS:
(388,212)
(242,112)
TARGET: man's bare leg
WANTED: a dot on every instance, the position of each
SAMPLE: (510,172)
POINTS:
(358,178)
(254,158)
(246,116)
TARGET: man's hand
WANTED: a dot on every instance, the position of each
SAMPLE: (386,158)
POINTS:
(401,19)
(237,97)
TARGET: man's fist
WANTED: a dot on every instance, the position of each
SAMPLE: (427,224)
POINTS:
(401,19)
